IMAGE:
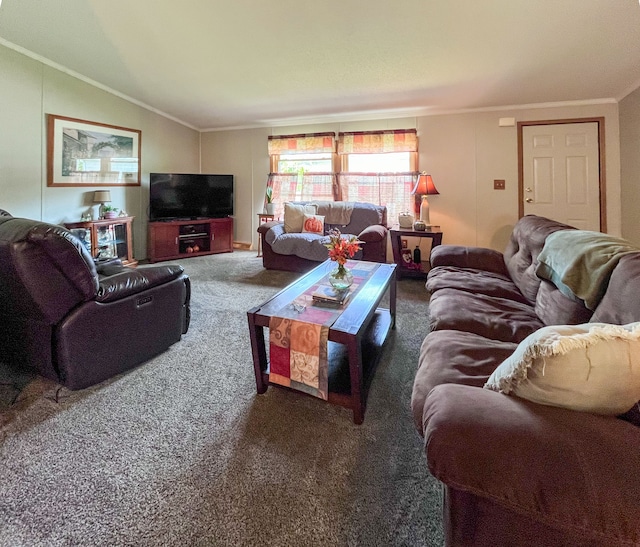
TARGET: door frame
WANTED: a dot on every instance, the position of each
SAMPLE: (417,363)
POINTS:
(601,152)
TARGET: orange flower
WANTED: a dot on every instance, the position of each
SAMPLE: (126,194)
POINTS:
(341,248)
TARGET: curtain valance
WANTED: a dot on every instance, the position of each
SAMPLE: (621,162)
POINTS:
(378,142)
(312,143)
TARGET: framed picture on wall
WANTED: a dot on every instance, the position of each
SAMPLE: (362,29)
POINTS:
(84,153)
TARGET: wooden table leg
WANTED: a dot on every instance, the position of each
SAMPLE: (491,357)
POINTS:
(392,298)
(258,350)
(397,253)
(355,373)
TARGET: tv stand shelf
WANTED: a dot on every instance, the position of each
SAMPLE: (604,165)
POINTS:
(185,238)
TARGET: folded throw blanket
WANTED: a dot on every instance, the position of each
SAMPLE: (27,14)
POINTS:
(580,262)
(335,212)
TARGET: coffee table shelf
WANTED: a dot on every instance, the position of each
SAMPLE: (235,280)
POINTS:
(355,338)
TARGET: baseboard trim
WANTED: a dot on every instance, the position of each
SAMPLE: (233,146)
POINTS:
(242,245)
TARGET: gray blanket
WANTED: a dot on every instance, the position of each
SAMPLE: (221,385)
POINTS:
(580,262)
(335,212)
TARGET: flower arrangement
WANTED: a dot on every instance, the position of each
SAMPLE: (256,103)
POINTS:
(340,249)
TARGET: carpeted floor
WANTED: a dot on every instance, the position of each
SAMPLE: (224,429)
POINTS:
(182,451)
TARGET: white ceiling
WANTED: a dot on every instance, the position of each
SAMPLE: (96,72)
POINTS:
(215,64)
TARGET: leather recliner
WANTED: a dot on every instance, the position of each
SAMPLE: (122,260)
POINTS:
(77,323)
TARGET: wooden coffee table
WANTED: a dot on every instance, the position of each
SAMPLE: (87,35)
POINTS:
(355,338)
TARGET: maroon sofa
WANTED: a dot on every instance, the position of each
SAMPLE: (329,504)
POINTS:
(516,472)
(77,323)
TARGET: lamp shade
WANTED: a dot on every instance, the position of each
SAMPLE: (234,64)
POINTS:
(101,196)
(424,185)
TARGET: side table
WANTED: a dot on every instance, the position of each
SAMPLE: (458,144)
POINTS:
(106,238)
(435,234)
(262,218)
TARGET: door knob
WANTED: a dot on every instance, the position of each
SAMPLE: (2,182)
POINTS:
(529,200)
(528,189)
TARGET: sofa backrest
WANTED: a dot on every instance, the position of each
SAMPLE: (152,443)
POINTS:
(520,256)
(44,271)
(363,215)
(621,301)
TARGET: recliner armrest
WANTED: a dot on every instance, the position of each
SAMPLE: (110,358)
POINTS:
(125,281)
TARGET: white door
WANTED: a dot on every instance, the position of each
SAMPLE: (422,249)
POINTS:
(561,173)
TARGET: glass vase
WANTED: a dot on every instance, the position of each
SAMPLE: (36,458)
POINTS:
(341,278)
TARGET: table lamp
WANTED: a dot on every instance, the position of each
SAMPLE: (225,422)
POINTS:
(424,187)
(101,197)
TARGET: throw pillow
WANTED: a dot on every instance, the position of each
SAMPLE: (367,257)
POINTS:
(313,224)
(594,367)
(294,216)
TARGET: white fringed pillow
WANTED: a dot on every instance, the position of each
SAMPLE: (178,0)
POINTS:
(594,367)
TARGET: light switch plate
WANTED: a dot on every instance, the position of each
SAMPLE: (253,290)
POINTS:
(498,184)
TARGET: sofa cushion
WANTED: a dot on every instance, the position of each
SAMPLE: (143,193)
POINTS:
(313,224)
(594,367)
(488,316)
(294,216)
(474,281)
(470,359)
(304,245)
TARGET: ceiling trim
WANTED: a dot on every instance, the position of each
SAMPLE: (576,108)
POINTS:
(89,81)
(406,113)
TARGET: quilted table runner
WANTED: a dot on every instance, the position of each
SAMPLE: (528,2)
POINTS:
(299,335)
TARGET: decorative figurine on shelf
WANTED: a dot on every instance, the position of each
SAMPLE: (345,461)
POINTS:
(405,220)
(123,213)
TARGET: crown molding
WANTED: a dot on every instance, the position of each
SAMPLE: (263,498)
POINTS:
(94,83)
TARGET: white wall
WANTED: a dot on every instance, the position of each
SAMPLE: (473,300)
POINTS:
(463,152)
(28,91)
(630,165)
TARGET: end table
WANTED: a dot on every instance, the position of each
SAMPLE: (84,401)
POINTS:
(262,218)
(397,233)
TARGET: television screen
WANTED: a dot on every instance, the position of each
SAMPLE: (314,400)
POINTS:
(189,196)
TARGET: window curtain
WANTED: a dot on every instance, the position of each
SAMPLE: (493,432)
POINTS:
(378,142)
(300,187)
(390,189)
(312,143)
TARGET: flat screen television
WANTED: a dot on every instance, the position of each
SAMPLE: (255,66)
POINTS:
(174,196)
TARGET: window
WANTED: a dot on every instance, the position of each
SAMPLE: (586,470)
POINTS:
(393,162)
(379,167)
(301,168)
(304,163)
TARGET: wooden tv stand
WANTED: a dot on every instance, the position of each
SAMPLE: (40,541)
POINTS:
(184,238)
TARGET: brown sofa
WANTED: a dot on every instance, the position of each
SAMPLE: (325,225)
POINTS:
(77,323)
(300,252)
(516,472)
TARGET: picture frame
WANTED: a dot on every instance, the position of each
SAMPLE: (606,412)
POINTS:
(85,153)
